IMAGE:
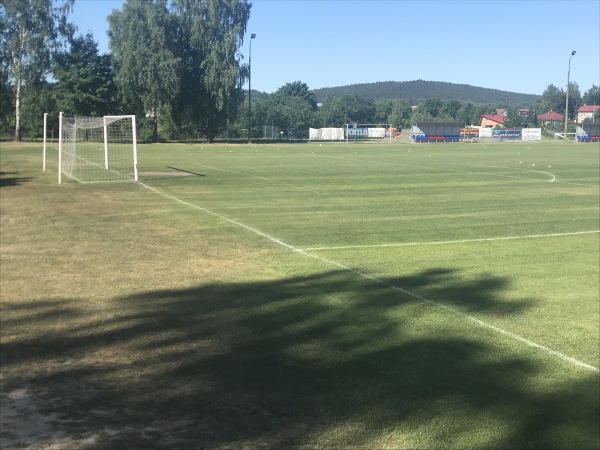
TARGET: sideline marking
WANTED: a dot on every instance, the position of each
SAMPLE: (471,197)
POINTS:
(460,241)
(259,177)
(246,227)
(454,311)
(552,180)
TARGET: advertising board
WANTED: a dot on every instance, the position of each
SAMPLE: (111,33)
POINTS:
(506,135)
(357,133)
(531,134)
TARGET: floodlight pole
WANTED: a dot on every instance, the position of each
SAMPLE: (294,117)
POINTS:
(252,36)
(567,102)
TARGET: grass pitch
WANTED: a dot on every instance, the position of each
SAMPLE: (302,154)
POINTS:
(334,295)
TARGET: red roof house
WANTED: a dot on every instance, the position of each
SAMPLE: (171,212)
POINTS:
(492,120)
(586,112)
(550,117)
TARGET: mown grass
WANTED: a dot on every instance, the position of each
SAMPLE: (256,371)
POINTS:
(134,319)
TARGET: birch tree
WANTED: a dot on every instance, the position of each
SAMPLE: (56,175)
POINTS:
(31,31)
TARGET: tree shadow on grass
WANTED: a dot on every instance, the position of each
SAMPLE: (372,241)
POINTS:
(7,180)
(327,360)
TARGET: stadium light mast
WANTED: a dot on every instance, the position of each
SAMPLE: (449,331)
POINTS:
(252,36)
(567,102)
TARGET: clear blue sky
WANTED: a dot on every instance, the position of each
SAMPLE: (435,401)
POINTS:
(518,46)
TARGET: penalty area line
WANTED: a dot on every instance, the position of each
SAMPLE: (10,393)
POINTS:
(458,241)
(329,262)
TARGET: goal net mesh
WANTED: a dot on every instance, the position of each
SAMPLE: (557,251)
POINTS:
(96,149)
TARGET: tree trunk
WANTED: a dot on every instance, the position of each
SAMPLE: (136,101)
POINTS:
(155,128)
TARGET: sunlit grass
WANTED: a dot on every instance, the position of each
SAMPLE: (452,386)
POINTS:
(224,314)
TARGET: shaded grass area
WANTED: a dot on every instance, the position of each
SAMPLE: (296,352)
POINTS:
(129,321)
(320,360)
(562,303)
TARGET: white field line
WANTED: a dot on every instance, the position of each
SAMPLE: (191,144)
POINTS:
(456,312)
(581,184)
(207,211)
(459,241)
(551,180)
(329,262)
(259,177)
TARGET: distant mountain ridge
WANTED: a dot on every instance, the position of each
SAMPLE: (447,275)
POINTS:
(420,90)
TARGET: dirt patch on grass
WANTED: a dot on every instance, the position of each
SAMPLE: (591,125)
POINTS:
(24,425)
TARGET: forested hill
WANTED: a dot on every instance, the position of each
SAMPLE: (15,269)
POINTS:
(420,90)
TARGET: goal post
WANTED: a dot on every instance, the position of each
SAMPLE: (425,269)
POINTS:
(44,143)
(96,149)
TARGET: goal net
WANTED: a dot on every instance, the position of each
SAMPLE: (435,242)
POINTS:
(95,149)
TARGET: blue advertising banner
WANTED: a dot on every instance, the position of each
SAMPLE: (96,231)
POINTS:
(435,138)
(506,135)
(587,138)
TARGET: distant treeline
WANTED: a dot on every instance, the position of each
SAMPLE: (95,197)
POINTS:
(420,90)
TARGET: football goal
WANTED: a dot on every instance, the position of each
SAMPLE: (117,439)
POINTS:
(96,149)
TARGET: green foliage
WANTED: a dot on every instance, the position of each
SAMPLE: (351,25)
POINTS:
(300,90)
(451,108)
(177,61)
(553,99)
(466,114)
(85,80)
(401,114)
(7,111)
(352,109)
(176,66)
(421,90)
(592,96)
(383,109)
(575,100)
(31,32)
(141,38)
(292,107)
(531,120)
(513,119)
(432,107)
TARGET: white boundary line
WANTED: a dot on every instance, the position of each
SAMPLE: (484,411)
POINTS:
(454,311)
(552,176)
(246,227)
(461,241)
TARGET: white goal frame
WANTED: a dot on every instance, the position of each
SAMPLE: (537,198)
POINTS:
(90,150)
